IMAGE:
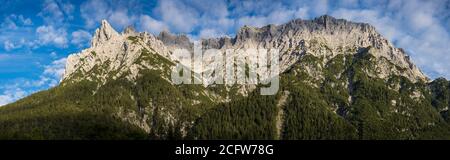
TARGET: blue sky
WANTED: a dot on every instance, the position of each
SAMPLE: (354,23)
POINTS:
(37,35)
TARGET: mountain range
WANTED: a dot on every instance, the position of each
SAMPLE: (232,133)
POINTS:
(338,80)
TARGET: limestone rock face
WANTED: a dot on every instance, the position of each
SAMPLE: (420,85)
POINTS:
(113,52)
(130,31)
(175,41)
(323,37)
(103,34)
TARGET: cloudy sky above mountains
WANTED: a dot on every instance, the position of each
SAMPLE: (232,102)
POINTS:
(37,35)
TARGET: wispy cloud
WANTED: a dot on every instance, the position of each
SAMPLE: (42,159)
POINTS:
(13,21)
(50,35)
(55,12)
(80,38)
(179,16)
(11,94)
(151,25)
(93,11)
(50,77)
(118,13)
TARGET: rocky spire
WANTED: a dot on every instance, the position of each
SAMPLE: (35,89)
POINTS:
(103,34)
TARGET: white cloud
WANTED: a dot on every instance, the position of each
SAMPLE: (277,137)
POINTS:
(50,35)
(15,32)
(80,38)
(213,9)
(179,16)
(9,45)
(25,21)
(8,23)
(50,77)
(51,12)
(210,33)
(279,16)
(13,22)
(56,12)
(151,25)
(12,44)
(5,99)
(68,9)
(53,54)
(11,94)
(301,13)
(52,31)
(121,18)
(93,11)
(56,69)
(116,12)
(320,7)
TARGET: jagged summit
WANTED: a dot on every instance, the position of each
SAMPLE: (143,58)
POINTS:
(114,53)
(103,34)
(327,20)
(323,23)
(338,35)
(324,36)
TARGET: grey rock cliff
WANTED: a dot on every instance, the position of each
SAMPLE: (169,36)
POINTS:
(323,37)
(298,37)
(176,41)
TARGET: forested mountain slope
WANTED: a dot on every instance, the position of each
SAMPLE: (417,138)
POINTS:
(338,80)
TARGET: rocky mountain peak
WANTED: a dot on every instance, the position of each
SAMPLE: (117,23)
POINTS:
(172,40)
(130,31)
(103,34)
(112,52)
(331,37)
(324,36)
(217,43)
